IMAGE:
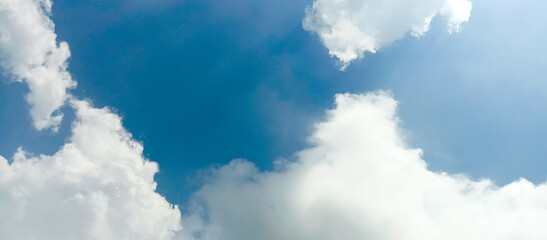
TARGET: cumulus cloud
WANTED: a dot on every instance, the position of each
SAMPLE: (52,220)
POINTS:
(349,28)
(97,186)
(29,53)
(360,180)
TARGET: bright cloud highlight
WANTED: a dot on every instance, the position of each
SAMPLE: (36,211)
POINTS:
(361,181)
(29,53)
(349,28)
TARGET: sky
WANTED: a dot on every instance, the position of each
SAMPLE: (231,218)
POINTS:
(272,119)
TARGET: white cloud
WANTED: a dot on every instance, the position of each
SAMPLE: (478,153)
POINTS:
(97,186)
(349,28)
(361,181)
(29,53)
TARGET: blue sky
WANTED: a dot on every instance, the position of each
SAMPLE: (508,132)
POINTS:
(200,83)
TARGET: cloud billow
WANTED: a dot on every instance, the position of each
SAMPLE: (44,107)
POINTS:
(97,186)
(349,28)
(360,180)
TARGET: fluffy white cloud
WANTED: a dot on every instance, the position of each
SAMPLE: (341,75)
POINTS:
(29,53)
(361,181)
(349,28)
(97,186)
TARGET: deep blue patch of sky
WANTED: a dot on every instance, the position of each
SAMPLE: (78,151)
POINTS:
(203,82)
